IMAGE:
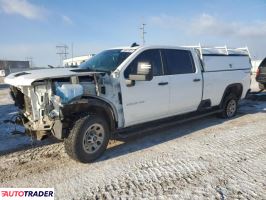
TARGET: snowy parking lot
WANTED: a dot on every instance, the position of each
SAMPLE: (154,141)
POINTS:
(208,158)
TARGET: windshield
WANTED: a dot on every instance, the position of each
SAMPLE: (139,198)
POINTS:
(106,61)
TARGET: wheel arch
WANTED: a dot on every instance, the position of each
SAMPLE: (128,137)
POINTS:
(87,105)
(235,88)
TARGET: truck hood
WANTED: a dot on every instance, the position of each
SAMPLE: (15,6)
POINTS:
(26,78)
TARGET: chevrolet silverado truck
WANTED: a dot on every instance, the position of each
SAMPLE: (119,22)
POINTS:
(127,87)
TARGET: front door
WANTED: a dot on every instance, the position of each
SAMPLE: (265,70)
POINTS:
(146,100)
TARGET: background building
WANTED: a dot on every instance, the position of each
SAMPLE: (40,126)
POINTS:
(11,66)
(76,61)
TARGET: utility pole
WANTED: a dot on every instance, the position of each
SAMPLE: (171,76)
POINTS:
(72,52)
(30,59)
(6,66)
(62,52)
(142,28)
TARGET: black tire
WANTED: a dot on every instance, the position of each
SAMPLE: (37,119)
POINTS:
(81,145)
(229,107)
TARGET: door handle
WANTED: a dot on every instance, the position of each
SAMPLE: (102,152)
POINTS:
(196,79)
(163,83)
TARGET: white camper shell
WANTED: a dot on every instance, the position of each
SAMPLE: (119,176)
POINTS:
(223,58)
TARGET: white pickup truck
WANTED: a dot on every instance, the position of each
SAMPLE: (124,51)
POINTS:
(125,87)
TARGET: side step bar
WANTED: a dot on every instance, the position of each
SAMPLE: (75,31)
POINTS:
(163,123)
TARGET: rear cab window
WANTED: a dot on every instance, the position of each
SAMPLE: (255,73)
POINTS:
(178,62)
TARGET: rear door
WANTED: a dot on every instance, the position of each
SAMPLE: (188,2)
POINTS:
(185,81)
(146,100)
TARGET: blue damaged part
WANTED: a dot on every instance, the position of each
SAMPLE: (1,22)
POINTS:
(68,92)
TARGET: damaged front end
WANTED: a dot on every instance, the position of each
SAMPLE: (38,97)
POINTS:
(34,105)
(42,102)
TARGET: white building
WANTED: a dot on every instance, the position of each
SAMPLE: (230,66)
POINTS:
(76,61)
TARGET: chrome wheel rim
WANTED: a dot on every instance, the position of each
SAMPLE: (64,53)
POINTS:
(93,138)
(231,108)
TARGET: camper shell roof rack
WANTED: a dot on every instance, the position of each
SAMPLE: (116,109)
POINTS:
(221,51)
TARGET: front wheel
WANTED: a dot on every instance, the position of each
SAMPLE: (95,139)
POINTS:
(88,139)
(229,106)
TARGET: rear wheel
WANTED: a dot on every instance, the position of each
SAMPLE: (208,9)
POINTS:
(230,106)
(88,139)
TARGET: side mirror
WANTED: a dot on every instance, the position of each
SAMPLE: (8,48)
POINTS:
(143,72)
(144,68)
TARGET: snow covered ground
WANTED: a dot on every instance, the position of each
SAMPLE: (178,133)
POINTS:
(208,158)
(7,110)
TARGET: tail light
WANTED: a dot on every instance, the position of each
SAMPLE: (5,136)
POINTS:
(258,72)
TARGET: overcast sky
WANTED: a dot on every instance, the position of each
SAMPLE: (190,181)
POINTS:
(32,28)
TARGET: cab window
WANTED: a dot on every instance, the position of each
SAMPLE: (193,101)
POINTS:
(178,62)
(152,56)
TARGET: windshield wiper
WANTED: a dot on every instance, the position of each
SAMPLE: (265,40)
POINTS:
(89,70)
(81,70)
(101,70)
